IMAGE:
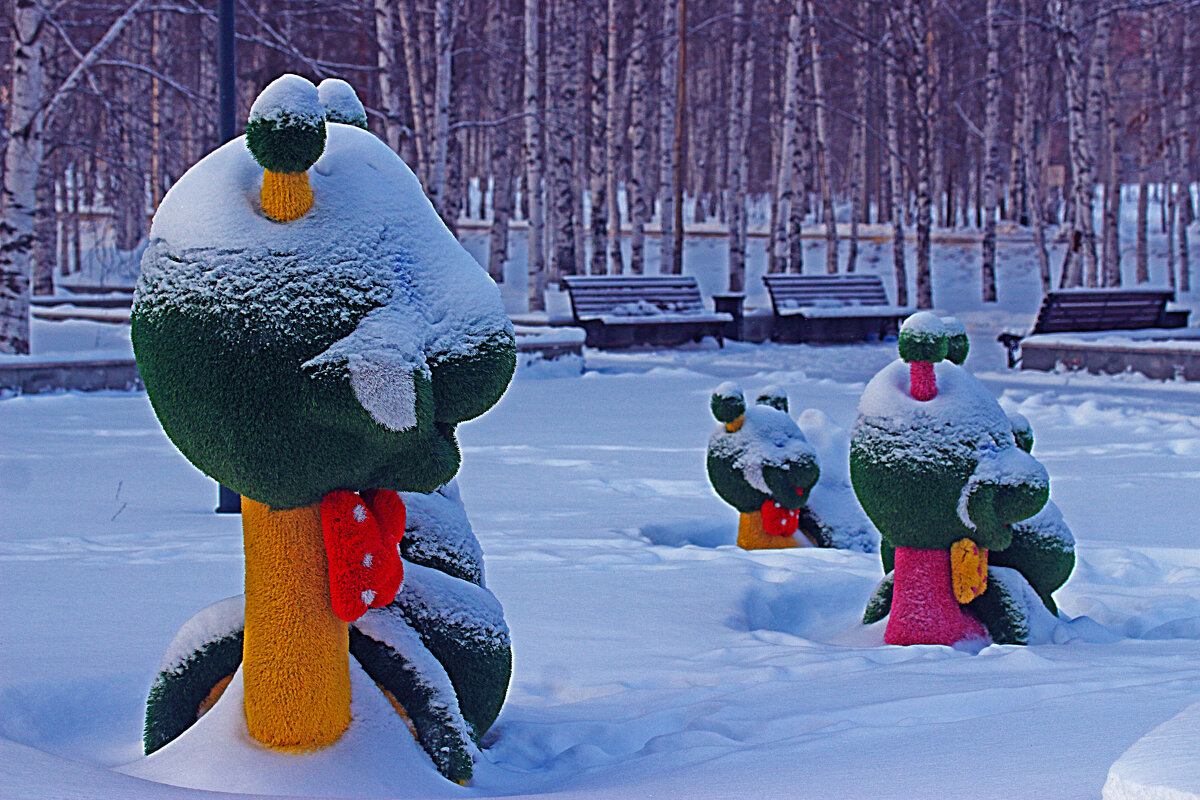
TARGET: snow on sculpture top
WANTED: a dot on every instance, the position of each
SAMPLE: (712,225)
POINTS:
(345,343)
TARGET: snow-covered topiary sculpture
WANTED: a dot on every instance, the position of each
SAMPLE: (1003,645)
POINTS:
(310,334)
(759,463)
(937,467)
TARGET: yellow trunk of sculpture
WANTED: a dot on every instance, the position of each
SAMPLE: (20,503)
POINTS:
(295,662)
(286,196)
(751,535)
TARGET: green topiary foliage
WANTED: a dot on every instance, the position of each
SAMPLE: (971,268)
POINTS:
(286,129)
(425,700)
(207,650)
(341,103)
(923,338)
(957,343)
(1001,611)
(728,403)
(773,396)
(1022,432)
(880,604)
(764,458)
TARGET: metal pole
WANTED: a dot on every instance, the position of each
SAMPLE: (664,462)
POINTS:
(228,501)
(226,71)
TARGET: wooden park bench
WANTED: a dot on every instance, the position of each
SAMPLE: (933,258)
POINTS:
(1090,310)
(110,306)
(627,310)
(831,308)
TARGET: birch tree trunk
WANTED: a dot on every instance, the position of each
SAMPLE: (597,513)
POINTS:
(822,140)
(443,43)
(564,55)
(638,195)
(991,152)
(1165,123)
(1111,271)
(668,102)
(1183,143)
(385,49)
(917,35)
(735,144)
(415,70)
(858,144)
(597,147)
(895,182)
(1143,243)
(1066,19)
(1031,163)
(1095,107)
(787,171)
(533,160)
(502,162)
(614,137)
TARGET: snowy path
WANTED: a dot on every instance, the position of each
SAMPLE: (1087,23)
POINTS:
(641,669)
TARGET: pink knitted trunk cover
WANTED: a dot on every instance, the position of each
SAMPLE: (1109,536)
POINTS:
(924,609)
(922,381)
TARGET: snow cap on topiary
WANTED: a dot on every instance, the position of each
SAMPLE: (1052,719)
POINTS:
(728,402)
(1022,431)
(286,129)
(923,338)
(341,103)
(773,396)
(957,343)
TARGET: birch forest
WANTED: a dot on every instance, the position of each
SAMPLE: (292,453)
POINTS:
(600,131)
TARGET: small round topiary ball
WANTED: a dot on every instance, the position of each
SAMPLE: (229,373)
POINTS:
(958,345)
(286,130)
(923,338)
(773,396)
(728,402)
(341,103)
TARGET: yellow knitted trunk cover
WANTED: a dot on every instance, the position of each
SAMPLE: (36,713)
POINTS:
(968,570)
(286,196)
(751,535)
(295,658)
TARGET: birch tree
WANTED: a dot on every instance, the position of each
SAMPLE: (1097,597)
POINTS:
(788,168)
(638,197)
(502,145)
(561,143)
(740,56)
(1066,17)
(30,104)
(597,146)
(858,144)
(613,137)
(667,106)
(443,43)
(1165,123)
(1111,262)
(1183,145)
(895,182)
(533,159)
(991,152)
(1031,164)
(1143,123)
(385,50)
(821,142)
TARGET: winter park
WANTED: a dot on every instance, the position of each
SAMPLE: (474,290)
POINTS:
(647,398)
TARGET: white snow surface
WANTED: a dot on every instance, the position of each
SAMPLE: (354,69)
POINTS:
(683,668)
(220,619)
(288,96)
(371,232)
(1162,765)
(925,324)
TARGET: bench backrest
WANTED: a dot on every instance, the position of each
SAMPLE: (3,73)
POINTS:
(1102,310)
(633,295)
(798,291)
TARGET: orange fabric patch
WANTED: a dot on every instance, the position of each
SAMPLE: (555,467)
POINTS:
(751,535)
(968,570)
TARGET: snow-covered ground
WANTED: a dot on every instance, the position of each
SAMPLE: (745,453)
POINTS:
(652,658)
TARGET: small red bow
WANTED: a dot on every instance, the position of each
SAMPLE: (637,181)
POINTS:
(362,545)
(780,521)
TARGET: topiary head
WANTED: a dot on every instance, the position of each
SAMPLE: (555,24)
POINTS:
(341,103)
(286,129)
(923,338)
(773,396)
(728,403)
(958,345)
